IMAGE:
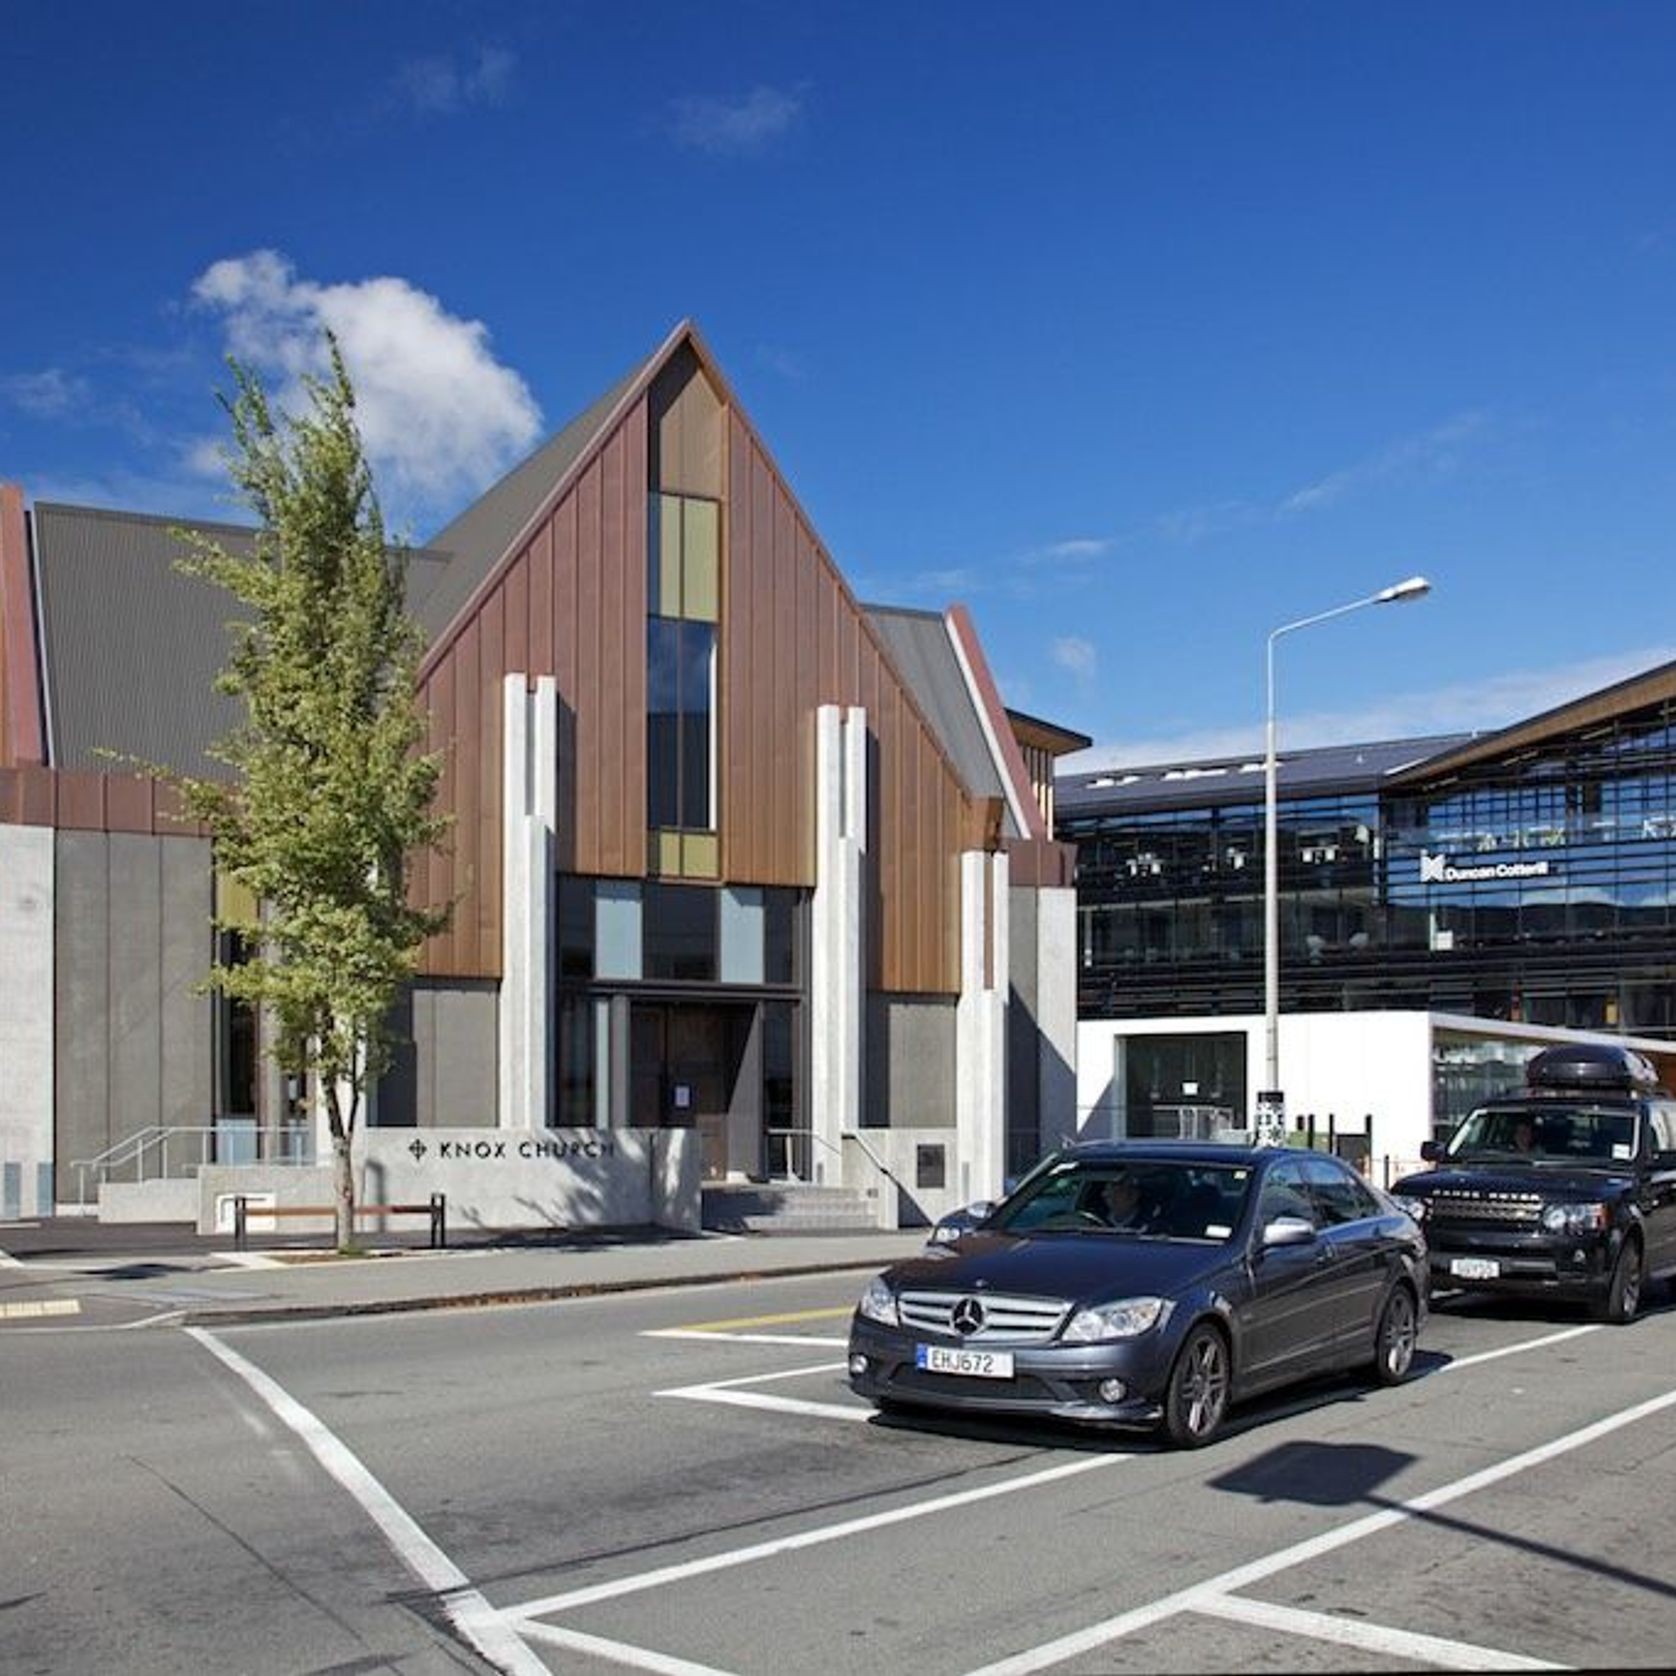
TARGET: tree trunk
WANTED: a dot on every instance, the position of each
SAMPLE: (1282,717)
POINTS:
(345,1188)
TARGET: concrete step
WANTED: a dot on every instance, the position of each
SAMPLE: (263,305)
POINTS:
(788,1208)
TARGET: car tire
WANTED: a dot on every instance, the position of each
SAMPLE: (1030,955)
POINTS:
(1201,1382)
(1622,1297)
(1395,1337)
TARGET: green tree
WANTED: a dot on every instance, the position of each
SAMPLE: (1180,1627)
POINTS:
(329,800)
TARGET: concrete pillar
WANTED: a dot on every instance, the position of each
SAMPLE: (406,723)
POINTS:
(837,995)
(529,822)
(980,1027)
(1056,1014)
(26,1014)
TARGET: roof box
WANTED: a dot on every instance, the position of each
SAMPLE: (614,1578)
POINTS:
(1590,1065)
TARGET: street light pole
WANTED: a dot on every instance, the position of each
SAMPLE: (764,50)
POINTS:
(1271,1106)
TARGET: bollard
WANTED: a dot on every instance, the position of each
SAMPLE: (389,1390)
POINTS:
(439,1221)
(240,1222)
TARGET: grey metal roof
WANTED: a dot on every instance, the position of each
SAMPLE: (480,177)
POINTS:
(478,538)
(1320,772)
(918,644)
(132,647)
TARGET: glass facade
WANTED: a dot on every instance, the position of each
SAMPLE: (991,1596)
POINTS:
(1534,887)
(669,994)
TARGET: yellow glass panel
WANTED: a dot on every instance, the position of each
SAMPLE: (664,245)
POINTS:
(702,858)
(666,852)
(701,591)
(668,602)
(234,901)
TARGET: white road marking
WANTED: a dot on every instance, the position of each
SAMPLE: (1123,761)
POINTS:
(32,1308)
(730,1391)
(1516,1349)
(619,1652)
(483,1625)
(1196,1595)
(804,1539)
(1385,1643)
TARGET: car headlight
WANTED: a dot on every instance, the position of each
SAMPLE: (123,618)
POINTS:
(878,1303)
(945,1234)
(1574,1219)
(1127,1318)
(1410,1206)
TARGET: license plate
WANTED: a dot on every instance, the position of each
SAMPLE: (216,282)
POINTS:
(1474,1268)
(968,1364)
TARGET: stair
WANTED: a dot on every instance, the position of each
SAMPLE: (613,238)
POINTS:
(788,1207)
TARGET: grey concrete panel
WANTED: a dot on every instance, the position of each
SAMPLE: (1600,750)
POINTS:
(135,959)
(910,1061)
(187,1016)
(459,1044)
(82,1002)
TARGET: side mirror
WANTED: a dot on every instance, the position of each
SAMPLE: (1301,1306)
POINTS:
(948,1229)
(1431,1151)
(979,1209)
(1288,1230)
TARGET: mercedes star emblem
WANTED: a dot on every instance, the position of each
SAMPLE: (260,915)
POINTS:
(967,1317)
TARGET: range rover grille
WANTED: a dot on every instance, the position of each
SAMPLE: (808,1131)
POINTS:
(1514,1210)
(1019,1320)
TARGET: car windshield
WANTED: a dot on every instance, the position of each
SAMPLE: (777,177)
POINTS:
(1165,1199)
(1556,1133)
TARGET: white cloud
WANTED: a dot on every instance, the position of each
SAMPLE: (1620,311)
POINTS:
(735,127)
(1467,707)
(49,394)
(442,86)
(1077,655)
(1434,453)
(440,416)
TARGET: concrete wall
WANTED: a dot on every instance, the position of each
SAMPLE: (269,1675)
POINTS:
(444,1073)
(132,941)
(26,1020)
(910,1061)
(886,1161)
(492,1178)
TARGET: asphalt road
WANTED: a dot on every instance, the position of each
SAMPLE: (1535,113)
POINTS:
(680,1481)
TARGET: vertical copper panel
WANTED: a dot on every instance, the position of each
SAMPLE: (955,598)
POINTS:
(468,836)
(127,803)
(590,852)
(81,802)
(685,430)
(440,867)
(516,611)
(22,735)
(615,853)
(495,666)
(540,562)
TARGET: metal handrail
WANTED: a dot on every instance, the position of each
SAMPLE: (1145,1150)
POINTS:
(284,1148)
(879,1165)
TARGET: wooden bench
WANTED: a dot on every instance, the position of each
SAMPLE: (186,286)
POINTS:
(436,1210)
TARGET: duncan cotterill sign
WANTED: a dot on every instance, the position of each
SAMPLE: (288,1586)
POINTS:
(1440,870)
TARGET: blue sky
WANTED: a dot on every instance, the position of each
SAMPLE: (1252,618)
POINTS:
(1139,329)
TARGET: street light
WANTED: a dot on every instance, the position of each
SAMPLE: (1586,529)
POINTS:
(1270,1103)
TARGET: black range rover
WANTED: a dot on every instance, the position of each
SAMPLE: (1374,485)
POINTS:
(1567,1190)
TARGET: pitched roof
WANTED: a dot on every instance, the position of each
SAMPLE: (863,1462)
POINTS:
(1623,698)
(131,646)
(475,542)
(918,645)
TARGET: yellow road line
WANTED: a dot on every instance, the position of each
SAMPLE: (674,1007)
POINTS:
(771,1320)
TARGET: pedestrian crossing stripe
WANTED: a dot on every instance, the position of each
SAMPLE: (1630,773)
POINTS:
(40,1307)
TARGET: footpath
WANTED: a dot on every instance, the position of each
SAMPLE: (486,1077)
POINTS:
(74,1272)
